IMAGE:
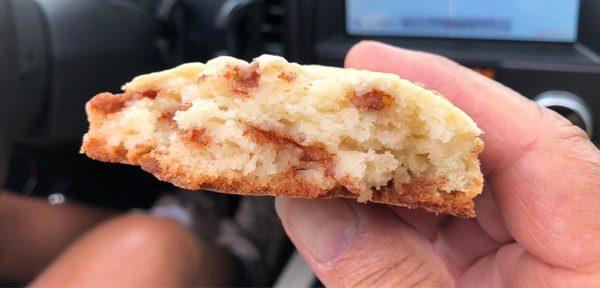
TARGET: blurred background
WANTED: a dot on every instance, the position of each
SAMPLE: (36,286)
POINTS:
(56,54)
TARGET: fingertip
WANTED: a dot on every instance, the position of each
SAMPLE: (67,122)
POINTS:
(423,221)
(360,54)
(281,206)
(410,64)
(320,228)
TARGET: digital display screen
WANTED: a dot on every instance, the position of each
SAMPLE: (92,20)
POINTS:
(527,20)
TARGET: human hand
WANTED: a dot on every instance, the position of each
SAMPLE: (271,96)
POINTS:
(538,219)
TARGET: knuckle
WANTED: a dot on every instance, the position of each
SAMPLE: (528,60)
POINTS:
(146,232)
(563,129)
(574,142)
(571,138)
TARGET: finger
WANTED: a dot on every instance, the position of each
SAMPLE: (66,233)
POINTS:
(513,266)
(540,168)
(424,222)
(489,218)
(461,242)
(350,245)
(472,238)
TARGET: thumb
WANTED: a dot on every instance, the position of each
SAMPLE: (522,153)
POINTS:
(349,245)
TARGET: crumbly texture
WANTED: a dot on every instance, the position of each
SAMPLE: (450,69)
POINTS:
(276,128)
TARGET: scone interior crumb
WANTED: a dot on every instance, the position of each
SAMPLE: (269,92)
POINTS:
(319,125)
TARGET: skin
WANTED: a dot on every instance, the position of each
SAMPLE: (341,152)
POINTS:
(33,232)
(72,245)
(75,245)
(139,251)
(537,219)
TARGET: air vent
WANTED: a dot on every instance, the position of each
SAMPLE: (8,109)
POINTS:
(272,27)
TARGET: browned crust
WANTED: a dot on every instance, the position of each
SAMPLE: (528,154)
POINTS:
(243,79)
(373,100)
(315,154)
(287,76)
(197,137)
(95,148)
(109,103)
(416,194)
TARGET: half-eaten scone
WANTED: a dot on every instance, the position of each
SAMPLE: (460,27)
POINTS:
(276,128)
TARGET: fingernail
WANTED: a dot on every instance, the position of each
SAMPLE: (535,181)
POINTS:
(324,228)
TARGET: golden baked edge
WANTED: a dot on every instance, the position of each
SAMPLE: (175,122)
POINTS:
(416,194)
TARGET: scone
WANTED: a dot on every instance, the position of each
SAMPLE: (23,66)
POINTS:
(276,128)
